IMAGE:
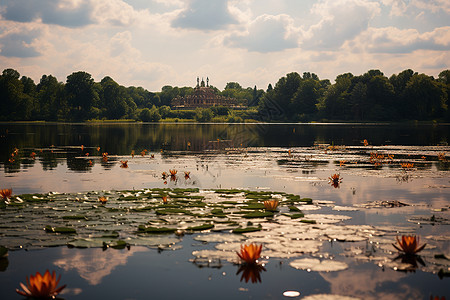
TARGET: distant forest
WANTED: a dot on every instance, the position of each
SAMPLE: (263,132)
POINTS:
(294,98)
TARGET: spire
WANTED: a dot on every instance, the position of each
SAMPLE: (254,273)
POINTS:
(207,81)
(203,83)
(198,84)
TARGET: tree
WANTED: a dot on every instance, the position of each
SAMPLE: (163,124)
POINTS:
(149,115)
(15,104)
(113,99)
(424,98)
(203,114)
(51,98)
(284,92)
(81,95)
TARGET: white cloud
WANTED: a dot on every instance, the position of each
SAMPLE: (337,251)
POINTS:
(341,20)
(266,34)
(205,15)
(394,40)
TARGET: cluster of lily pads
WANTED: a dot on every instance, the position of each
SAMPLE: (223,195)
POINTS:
(158,218)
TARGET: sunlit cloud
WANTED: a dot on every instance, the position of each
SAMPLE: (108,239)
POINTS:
(204,15)
(266,34)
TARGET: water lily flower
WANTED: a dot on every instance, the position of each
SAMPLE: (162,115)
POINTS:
(407,165)
(409,245)
(82,147)
(41,287)
(98,149)
(33,155)
(335,180)
(5,193)
(124,163)
(164,175)
(250,253)
(103,199)
(271,204)
(152,156)
(173,175)
(164,198)
(365,142)
(132,153)
(143,152)
(187,175)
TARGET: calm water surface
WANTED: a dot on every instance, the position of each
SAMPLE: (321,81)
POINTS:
(291,158)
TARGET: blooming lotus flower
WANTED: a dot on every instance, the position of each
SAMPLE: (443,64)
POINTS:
(164,198)
(41,287)
(164,175)
(33,155)
(173,172)
(271,204)
(250,253)
(187,175)
(409,245)
(335,180)
(5,193)
(124,163)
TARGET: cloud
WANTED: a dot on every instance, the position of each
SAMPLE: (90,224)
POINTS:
(205,15)
(19,44)
(341,20)
(394,40)
(266,33)
(68,13)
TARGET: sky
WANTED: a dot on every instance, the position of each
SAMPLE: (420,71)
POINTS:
(153,43)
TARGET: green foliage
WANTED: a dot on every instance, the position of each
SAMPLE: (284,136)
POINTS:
(368,97)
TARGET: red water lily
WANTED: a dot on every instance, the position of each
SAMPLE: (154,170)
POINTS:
(250,253)
(41,287)
(103,199)
(409,245)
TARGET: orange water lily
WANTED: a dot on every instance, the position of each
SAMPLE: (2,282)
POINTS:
(271,204)
(103,199)
(164,198)
(173,172)
(124,163)
(5,193)
(409,245)
(250,253)
(187,175)
(41,287)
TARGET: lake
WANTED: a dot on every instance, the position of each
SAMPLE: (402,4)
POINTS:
(324,240)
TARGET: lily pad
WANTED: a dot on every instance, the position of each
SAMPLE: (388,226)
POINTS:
(64,230)
(150,229)
(258,214)
(314,264)
(201,227)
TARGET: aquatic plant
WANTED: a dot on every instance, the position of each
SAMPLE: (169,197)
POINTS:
(187,175)
(164,198)
(124,164)
(5,193)
(250,253)
(41,287)
(335,180)
(164,175)
(407,165)
(103,199)
(409,245)
(271,205)
(173,172)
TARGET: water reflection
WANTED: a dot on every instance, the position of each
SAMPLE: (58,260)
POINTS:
(251,272)
(95,264)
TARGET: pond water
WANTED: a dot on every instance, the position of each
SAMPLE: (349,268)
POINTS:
(394,180)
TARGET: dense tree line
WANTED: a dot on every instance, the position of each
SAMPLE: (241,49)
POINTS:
(368,97)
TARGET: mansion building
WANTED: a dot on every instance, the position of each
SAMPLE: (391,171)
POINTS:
(203,96)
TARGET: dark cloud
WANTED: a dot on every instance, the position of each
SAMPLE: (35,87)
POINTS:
(205,15)
(18,45)
(265,34)
(49,11)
